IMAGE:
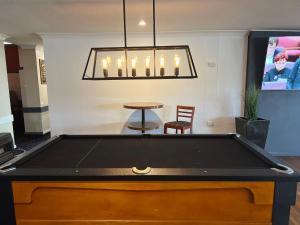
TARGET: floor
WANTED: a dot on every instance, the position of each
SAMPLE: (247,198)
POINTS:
(295,210)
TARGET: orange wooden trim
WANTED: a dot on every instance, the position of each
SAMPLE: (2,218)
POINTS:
(142,203)
(133,222)
(262,191)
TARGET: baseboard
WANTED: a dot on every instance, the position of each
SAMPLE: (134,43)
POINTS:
(37,133)
(35,109)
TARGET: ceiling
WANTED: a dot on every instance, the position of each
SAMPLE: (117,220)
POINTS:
(20,17)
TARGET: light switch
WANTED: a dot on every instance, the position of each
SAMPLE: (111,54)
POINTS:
(210,123)
(211,64)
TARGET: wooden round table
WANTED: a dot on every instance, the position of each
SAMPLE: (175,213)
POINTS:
(143,125)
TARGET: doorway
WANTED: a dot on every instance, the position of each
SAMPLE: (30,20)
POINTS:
(13,66)
(27,96)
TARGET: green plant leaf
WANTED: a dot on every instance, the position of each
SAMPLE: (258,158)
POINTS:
(251,106)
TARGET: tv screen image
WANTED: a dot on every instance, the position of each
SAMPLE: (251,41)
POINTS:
(282,66)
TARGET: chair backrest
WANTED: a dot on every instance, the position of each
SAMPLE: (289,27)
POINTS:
(186,112)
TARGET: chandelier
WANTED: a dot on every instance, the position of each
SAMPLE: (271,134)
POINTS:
(142,62)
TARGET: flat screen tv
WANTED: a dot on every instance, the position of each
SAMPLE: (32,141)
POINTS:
(282,66)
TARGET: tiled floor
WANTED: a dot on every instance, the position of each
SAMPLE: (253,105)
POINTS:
(295,210)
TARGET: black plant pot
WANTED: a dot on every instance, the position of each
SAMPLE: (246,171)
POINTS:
(255,131)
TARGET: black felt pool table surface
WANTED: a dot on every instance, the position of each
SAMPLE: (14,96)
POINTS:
(126,152)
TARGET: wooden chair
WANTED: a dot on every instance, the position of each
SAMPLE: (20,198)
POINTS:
(182,125)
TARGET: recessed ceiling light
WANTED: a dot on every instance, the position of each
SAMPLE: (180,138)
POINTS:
(142,23)
(7,43)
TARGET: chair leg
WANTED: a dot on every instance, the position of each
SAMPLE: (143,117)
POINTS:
(165,129)
(176,131)
(182,131)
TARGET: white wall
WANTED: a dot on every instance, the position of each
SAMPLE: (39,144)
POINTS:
(34,94)
(95,107)
(39,51)
(29,78)
(6,117)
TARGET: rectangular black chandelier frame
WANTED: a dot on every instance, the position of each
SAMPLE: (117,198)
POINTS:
(140,48)
(126,49)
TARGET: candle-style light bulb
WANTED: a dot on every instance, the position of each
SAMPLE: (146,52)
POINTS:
(162,61)
(122,59)
(108,59)
(148,62)
(162,66)
(119,67)
(148,66)
(104,65)
(133,64)
(119,63)
(177,62)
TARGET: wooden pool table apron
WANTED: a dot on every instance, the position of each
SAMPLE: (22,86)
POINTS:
(145,202)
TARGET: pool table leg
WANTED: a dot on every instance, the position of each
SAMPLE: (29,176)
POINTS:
(284,197)
(7,211)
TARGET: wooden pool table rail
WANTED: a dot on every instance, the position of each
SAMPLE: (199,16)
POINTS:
(109,203)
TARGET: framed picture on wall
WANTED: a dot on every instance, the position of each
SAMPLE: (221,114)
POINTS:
(42,71)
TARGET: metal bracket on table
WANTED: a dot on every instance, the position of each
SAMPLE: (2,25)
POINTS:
(6,168)
(285,169)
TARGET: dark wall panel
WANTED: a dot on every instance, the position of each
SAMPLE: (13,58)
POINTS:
(282,108)
(12,58)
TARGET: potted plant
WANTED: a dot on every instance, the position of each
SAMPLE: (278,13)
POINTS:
(251,127)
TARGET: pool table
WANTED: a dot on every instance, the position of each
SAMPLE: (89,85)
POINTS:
(146,179)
